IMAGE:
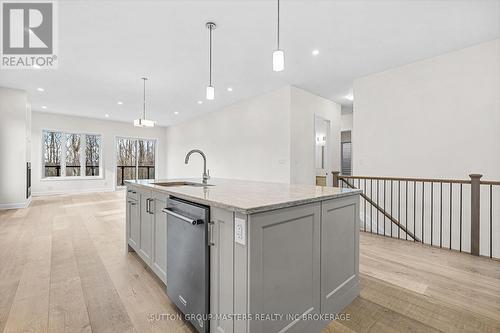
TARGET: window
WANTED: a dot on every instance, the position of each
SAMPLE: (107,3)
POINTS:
(92,154)
(73,155)
(135,159)
(52,154)
(66,154)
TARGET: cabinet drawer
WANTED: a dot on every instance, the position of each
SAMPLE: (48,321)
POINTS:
(132,193)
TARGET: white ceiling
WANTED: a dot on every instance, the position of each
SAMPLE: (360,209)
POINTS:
(106,46)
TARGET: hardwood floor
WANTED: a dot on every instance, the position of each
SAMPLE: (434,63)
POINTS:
(64,268)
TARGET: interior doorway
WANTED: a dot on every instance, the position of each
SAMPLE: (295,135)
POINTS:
(322,150)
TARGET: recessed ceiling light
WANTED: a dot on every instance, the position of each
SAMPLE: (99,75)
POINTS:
(229,89)
(176,113)
(44,107)
(119,103)
(106,115)
(349,97)
(315,52)
(200,102)
(40,89)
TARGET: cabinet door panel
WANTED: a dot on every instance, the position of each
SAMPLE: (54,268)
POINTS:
(135,224)
(284,261)
(160,239)
(221,269)
(146,232)
(339,252)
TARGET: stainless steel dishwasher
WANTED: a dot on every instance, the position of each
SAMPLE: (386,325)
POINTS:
(188,260)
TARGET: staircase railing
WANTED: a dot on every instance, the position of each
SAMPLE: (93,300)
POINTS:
(448,213)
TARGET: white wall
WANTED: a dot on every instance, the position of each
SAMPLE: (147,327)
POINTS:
(14,126)
(435,118)
(109,131)
(304,107)
(347,118)
(247,140)
(266,138)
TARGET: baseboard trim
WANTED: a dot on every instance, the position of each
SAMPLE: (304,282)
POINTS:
(92,190)
(20,205)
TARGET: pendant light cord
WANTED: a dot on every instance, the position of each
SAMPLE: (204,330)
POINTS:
(144,99)
(278,30)
(210,57)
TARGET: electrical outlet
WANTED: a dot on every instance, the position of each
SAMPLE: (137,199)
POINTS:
(240,231)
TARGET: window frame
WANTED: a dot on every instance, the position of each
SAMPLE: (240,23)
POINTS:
(115,162)
(83,144)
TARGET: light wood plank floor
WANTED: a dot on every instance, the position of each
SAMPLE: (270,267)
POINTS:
(64,268)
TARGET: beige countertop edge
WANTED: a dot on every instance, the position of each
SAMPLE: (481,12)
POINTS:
(245,211)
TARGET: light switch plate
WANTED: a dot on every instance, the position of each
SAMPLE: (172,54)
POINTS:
(240,236)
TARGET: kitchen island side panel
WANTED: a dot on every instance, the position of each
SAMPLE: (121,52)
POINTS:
(339,253)
(284,275)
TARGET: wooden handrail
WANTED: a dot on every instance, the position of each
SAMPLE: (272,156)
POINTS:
(427,180)
(489,182)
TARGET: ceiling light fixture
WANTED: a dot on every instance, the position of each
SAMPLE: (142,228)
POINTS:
(143,122)
(119,103)
(44,107)
(210,89)
(349,97)
(278,55)
(200,102)
(315,52)
(40,89)
(176,112)
(229,89)
(106,115)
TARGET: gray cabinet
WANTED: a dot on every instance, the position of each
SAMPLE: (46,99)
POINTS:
(285,266)
(159,255)
(133,221)
(339,252)
(146,229)
(221,269)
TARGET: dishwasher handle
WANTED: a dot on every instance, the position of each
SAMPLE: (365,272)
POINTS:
(182,217)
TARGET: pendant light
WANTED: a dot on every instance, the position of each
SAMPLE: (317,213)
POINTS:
(143,122)
(278,55)
(210,89)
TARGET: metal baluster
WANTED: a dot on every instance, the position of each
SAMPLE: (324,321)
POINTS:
(384,206)
(399,207)
(364,206)
(392,186)
(406,210)
(461,217)
(371,206)
(491,221)
(377,203)
(432,212)
(423,203)
(451,211)
(414,209)
(441,215)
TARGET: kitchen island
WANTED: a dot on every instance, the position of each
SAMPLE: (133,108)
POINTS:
(282,258)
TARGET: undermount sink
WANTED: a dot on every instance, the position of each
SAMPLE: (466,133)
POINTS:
(181,183)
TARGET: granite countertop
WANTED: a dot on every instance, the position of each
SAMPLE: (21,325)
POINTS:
(247,197)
